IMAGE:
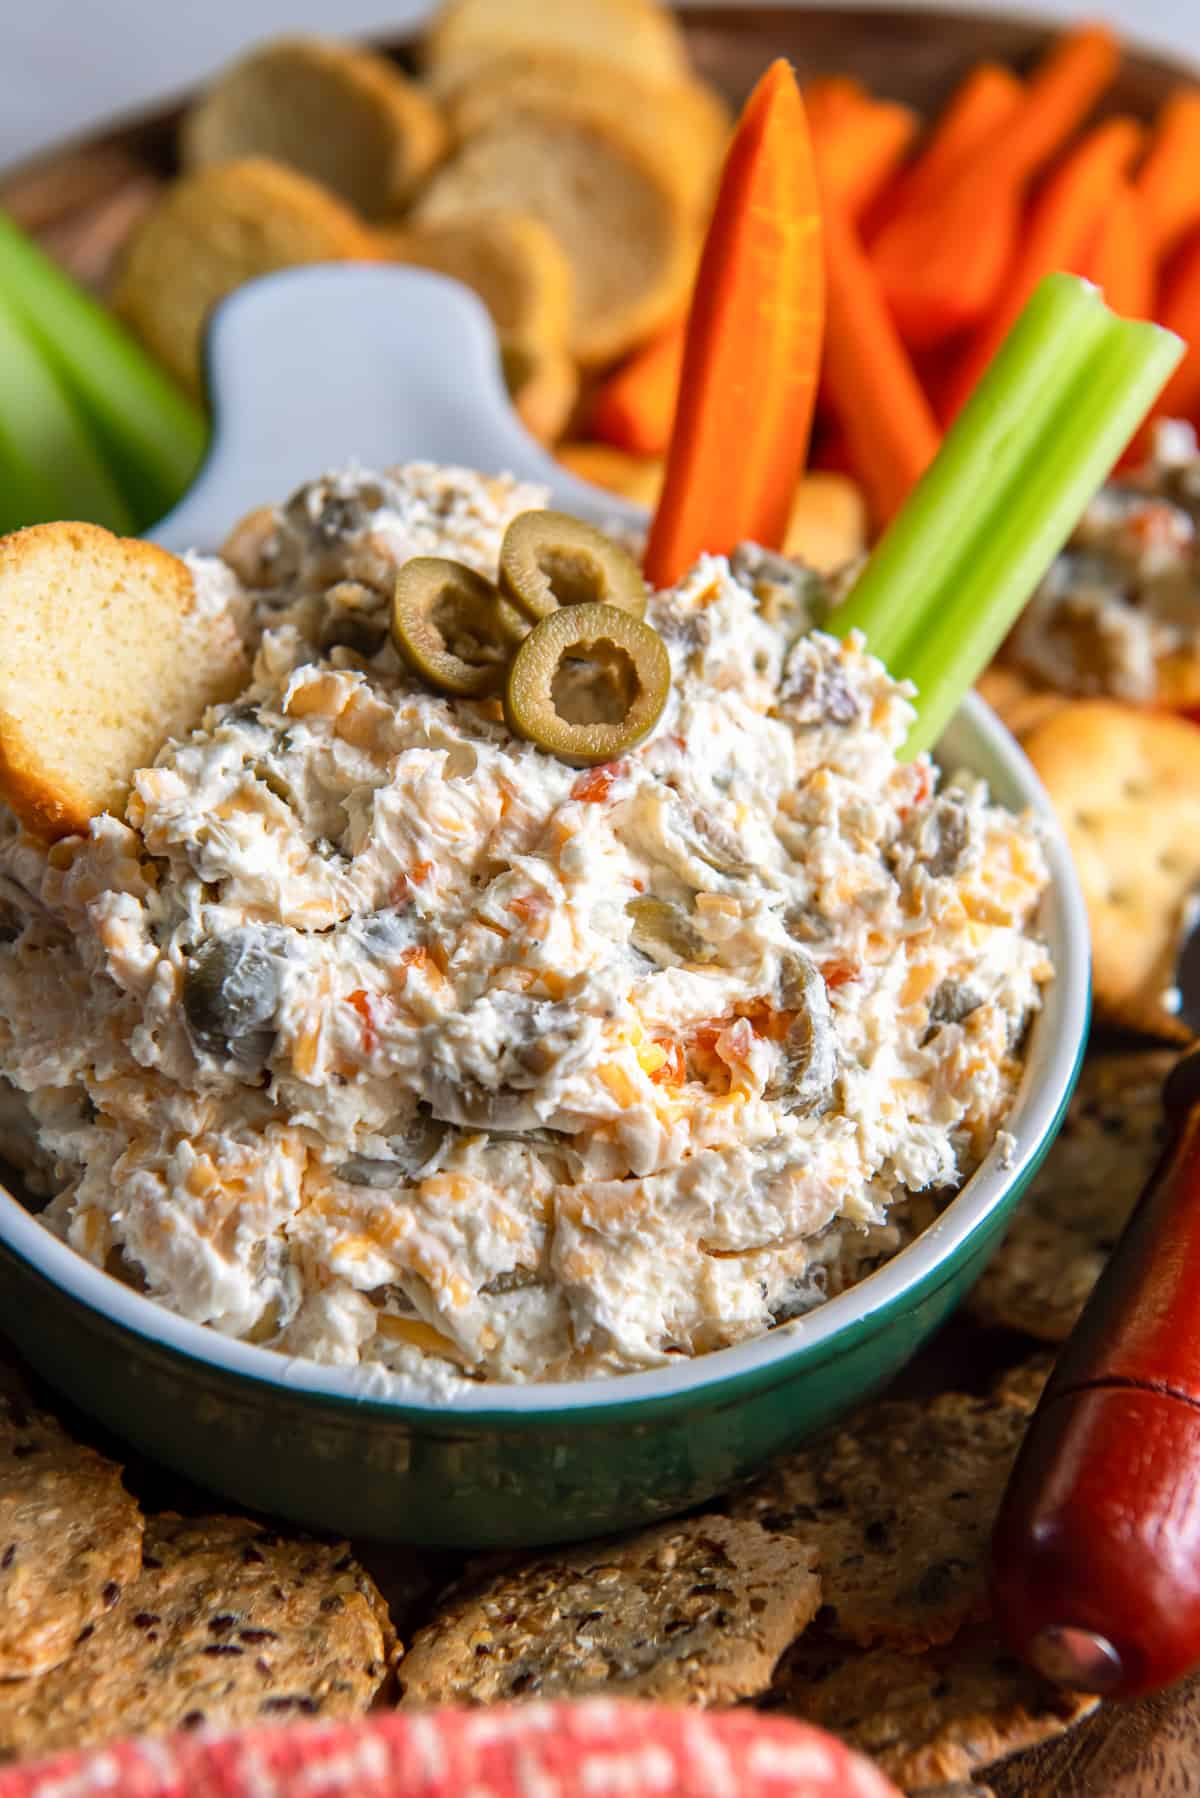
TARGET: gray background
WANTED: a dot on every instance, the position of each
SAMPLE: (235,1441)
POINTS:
(64,64)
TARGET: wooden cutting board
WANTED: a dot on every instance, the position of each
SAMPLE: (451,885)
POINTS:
(82,201)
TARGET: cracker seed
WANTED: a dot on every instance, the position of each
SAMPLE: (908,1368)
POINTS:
(930,1717)
(70,1536)
(227,1624)
(695,1612)
(898,1504)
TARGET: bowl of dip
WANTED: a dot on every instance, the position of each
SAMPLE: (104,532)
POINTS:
(442,1143)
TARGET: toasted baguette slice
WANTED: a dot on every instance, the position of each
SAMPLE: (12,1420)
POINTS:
(639,35)
(343,117)
(686,119)
(214,229)
(511,260)
(543,384)
(103,656)
(620,213)
(638,478)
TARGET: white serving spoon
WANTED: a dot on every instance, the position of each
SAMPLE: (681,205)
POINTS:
(315,368)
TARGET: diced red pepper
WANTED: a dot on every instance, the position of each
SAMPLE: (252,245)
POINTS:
(363,1003)
(594,784)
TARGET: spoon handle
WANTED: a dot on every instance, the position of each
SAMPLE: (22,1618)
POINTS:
(1096,1550)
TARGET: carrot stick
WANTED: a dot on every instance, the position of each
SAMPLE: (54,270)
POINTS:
(1168,183)
(873,389)
(859,145)
(753,345)
(1064,221)
(941,265)
(988,98)
(1119,259)
(633,409)
(1179,310)
(830,98)
(858,142)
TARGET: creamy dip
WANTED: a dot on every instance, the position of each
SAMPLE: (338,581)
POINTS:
(1119,611)
(375,1034)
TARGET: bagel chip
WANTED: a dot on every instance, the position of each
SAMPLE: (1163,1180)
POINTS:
(211,231)
(343,117)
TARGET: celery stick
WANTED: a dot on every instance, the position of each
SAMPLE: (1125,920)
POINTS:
(152,434)
(1030,519)
(1057,405)
(49,466)
(1051,340)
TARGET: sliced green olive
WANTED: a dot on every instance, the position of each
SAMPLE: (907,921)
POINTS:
(548,560)
(660,930)
(451,627)
(588,683)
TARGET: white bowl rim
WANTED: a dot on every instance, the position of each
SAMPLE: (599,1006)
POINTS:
(1056,1046)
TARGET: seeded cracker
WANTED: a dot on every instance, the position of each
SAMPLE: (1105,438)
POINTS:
(1126,787)
(70,1537)
(696,1612)
(926,1718)
(1040,1278)
(898,1505)
(1024,1384)
(227,1625)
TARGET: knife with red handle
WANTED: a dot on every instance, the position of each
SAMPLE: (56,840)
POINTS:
(1096,1549)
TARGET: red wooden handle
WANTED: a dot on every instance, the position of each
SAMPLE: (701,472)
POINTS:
(1096,1550)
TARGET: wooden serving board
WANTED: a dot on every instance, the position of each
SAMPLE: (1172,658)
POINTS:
(83,199)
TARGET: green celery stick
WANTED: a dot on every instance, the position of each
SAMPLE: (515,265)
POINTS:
(1032,517)
(1057,405)
(151,433)
(49,466)
(1055,334)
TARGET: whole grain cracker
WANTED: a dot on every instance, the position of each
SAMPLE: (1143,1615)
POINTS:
(898,1504)
(694,1612)
(1078,1202)
(227,1624)
(1126,787)
(926,1718)
(70,1535)
(1024,1384)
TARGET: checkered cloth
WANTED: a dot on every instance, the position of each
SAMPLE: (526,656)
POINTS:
(594,1749)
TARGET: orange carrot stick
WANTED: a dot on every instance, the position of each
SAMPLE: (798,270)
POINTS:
(1179,309)
(1119,259)
(988,98)
(634,407)
(858,142)
(1064,221)
(830,98)
(941,265)
(859,146)
(874,392)
(1168,182)
(753,345)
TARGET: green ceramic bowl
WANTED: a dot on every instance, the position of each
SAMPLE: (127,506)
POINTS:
(505,1465)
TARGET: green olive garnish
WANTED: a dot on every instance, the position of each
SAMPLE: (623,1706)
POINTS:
(451,627)
(588,683)
(548,560)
